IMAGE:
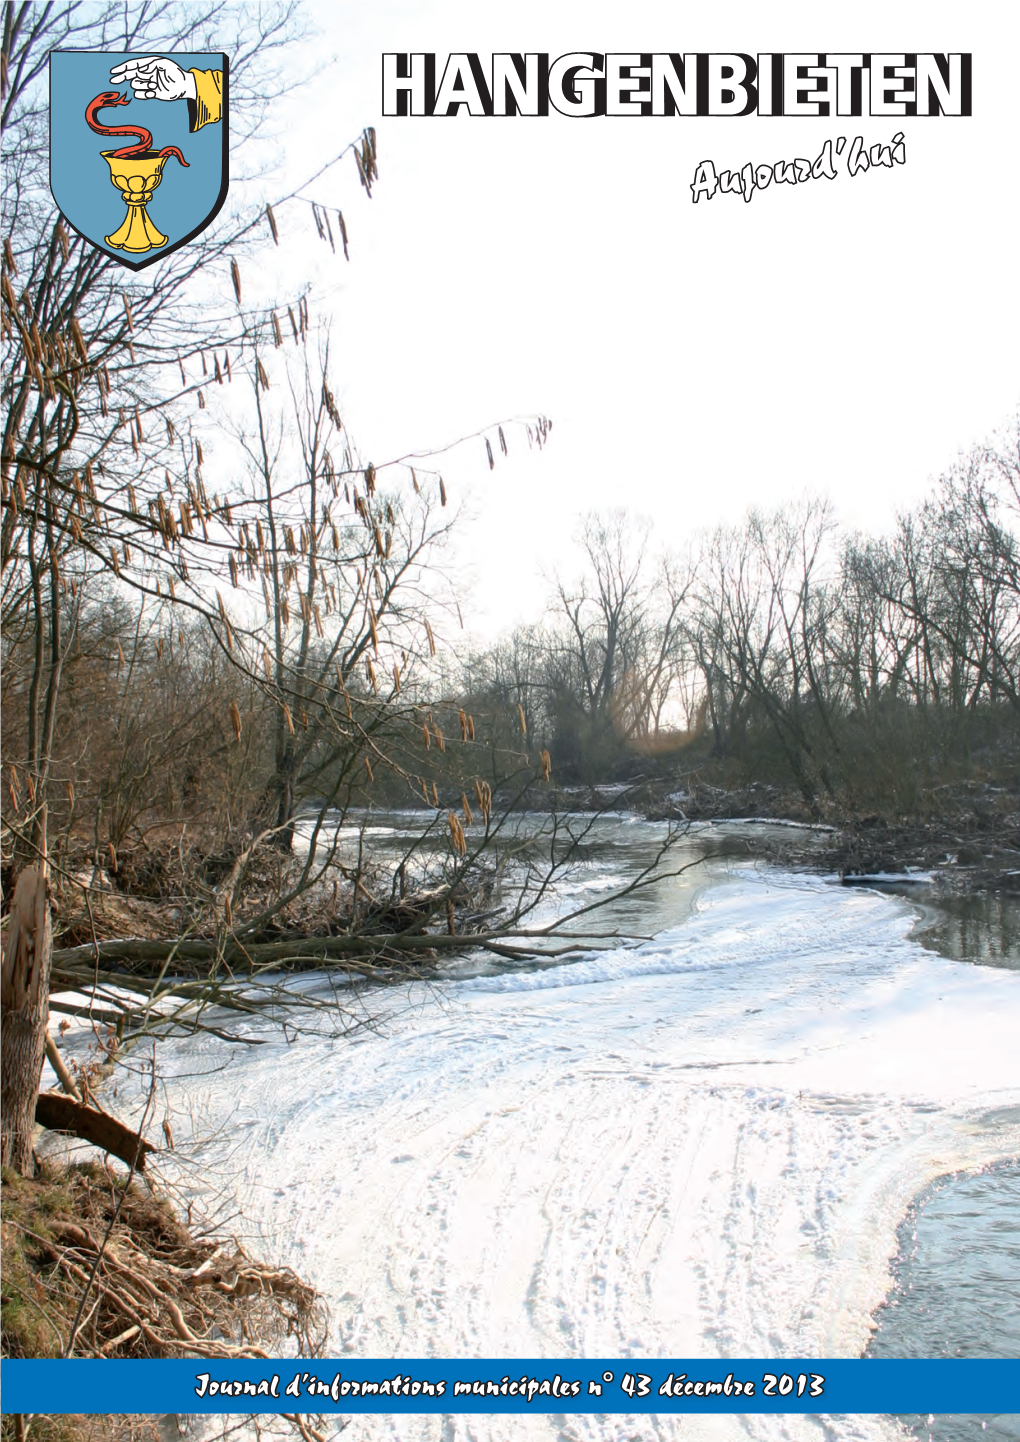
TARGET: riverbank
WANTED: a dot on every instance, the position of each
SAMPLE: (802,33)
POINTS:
(965,837)
(964,842)
(96,1264)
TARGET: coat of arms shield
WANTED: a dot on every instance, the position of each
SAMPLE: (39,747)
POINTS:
(138,148)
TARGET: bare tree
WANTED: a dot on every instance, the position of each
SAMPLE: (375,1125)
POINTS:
(90,384)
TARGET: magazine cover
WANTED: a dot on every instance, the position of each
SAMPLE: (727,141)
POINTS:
(510,769)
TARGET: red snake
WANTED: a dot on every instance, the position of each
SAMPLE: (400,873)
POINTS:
(114,97)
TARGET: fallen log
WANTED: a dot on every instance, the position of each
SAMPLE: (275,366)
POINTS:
(58,1113)
(77,959)
(72,965)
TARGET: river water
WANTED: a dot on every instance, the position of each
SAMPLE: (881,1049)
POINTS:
(729,1140)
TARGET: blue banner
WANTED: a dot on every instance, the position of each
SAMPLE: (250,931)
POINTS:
(345,1384)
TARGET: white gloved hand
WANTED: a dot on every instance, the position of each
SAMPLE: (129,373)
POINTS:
(155,78)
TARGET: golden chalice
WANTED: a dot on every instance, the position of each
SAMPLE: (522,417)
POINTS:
(136,177)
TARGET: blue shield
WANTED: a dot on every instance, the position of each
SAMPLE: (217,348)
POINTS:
(138,148)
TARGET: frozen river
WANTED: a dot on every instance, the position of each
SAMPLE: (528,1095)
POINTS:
(700,1146)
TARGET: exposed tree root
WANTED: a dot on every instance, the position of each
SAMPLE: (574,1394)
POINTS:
(152,1290)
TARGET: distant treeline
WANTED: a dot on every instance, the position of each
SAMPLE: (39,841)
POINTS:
(860,672)
(852,672)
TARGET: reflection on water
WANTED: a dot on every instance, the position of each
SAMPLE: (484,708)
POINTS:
(984,928)
(956,1288)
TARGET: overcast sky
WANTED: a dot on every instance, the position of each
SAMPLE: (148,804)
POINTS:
(847,337)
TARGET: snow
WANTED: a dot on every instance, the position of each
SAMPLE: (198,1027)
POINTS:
(701,1146)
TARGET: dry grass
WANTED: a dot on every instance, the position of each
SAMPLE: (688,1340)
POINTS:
(72,1427)
(150,1289)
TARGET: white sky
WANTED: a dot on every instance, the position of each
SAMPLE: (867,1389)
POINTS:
(843,337)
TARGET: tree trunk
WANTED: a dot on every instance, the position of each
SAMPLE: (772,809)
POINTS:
(25,1007)
(284,782)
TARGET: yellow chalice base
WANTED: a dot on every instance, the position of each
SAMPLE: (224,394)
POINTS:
(136,177)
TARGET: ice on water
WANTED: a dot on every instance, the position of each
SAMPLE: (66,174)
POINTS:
(701,1146)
